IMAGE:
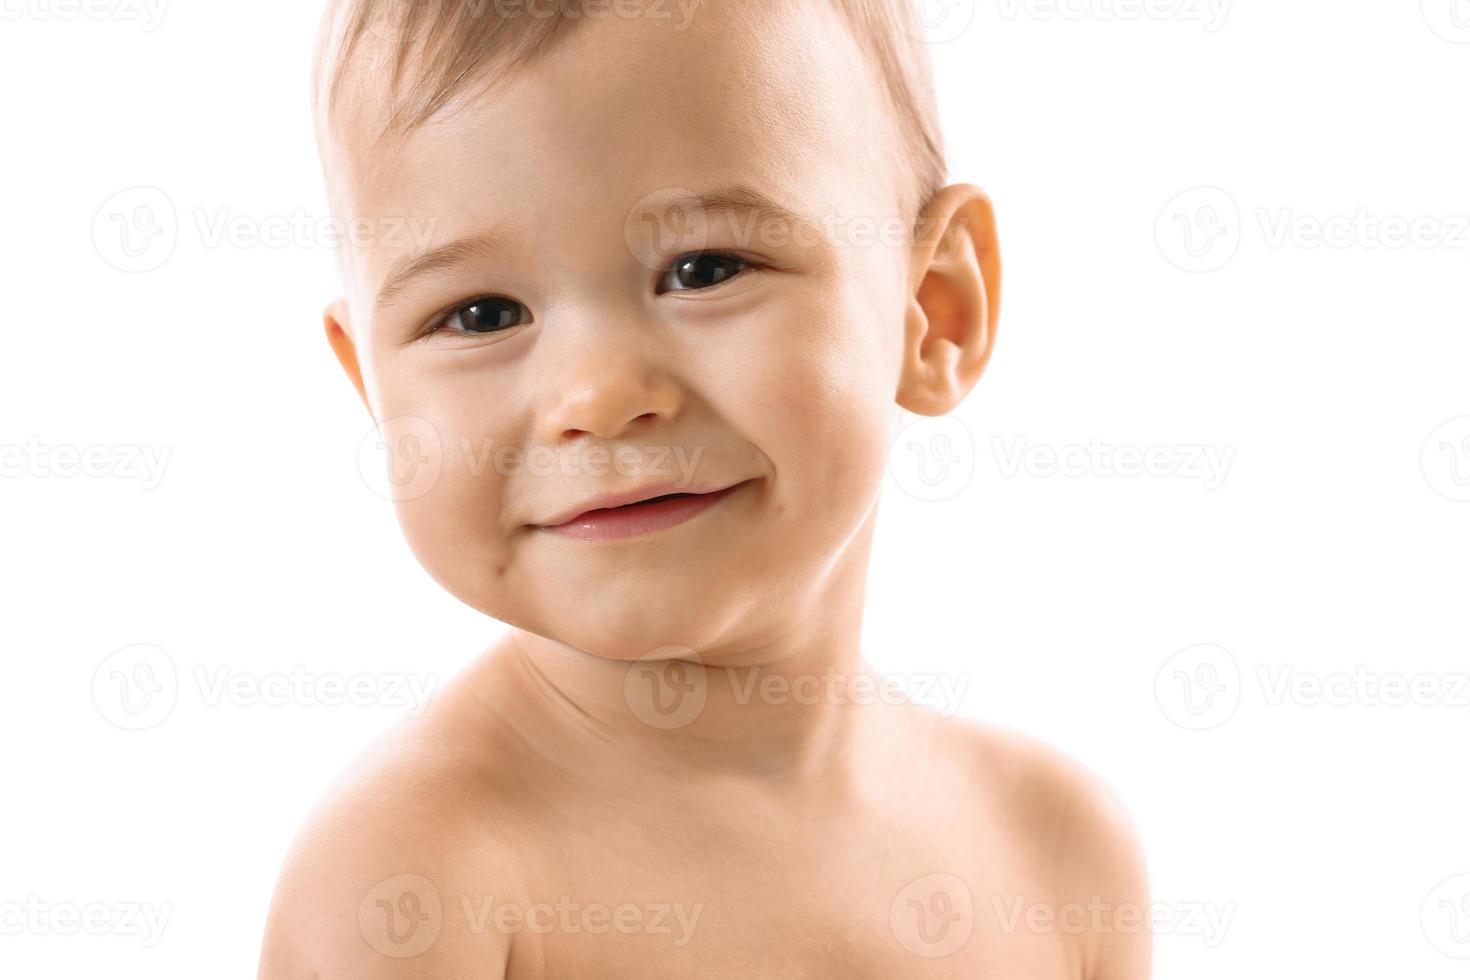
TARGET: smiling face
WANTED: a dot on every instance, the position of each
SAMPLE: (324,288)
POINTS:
(658,261)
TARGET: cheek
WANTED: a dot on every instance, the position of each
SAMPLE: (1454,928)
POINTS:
(448,473)
(822,405)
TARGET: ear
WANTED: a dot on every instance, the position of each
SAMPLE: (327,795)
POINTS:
(949,329)
(339,335)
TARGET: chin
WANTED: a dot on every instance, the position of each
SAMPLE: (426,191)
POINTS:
(625,628)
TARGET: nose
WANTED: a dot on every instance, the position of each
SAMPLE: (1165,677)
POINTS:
(606,387)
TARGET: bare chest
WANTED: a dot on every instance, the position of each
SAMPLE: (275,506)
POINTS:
(825,910)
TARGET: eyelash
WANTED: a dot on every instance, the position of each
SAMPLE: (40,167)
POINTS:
(440,321)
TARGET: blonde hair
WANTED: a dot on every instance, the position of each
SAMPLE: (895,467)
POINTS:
(437,48)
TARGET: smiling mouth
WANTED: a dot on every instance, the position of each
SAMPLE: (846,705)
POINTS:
(641,503)
(642,517)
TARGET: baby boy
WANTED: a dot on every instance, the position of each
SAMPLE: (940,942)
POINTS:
(678,269)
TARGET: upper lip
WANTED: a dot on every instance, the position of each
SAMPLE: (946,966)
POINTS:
(625,497)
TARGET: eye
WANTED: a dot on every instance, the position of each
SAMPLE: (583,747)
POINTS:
(702,270)
(489,314)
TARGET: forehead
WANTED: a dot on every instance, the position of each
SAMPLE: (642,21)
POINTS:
(768,94)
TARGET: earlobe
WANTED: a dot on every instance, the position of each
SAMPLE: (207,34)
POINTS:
(339,335)
(949,329)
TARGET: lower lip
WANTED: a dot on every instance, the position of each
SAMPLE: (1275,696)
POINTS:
(627,522)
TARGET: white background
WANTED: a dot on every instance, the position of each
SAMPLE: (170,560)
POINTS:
(1328,830)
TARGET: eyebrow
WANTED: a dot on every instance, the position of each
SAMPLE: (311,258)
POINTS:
(456,253)
(738,200)
(731,201)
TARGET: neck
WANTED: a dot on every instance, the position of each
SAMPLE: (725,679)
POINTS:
(799,706)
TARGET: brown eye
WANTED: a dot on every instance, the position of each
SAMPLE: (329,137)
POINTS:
(702,270)
(487,315)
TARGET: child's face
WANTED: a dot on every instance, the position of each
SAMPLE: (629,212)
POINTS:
(780,379)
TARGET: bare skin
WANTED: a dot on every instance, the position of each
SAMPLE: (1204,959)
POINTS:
(567,807)
(728,860)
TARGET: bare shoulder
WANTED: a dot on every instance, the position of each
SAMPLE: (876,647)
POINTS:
(371,885)
(1079,832)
